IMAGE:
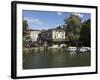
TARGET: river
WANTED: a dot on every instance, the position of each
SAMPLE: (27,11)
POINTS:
(55,59)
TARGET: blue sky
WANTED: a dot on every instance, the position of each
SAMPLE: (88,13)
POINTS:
(47,19)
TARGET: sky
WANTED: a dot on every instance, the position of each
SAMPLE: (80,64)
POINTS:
(46,19)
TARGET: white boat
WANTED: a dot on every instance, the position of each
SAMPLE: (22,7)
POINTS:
(72,48)
(82,49)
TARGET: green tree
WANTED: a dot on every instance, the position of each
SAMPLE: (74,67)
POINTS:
(85,34)
(73,28)
(25,28)
(26,35)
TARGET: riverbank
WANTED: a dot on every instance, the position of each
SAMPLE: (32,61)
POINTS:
(41,49)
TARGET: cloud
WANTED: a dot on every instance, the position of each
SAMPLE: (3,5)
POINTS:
(59,13)
(78,14)
(33,20)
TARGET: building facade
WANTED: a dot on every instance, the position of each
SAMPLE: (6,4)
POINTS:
(34,34)
(58,35)
(51,37)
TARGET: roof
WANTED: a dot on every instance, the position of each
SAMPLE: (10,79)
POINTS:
(33,30)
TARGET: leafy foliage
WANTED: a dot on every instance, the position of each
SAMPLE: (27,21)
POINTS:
(26,35)
(85,35)
(73,27)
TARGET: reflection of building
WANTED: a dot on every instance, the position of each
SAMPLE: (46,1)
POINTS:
(34,35)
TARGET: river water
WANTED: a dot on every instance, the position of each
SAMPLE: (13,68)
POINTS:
(55,59)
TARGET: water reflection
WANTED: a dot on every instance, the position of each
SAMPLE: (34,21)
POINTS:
(54,58)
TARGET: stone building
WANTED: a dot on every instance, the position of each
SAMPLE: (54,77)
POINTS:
(34,35)
(58,35)
(51,37)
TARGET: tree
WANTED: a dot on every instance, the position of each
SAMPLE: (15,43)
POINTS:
(85,34)
(26,35)
(25,25)
(25,28)
(59,28)
(73,28)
